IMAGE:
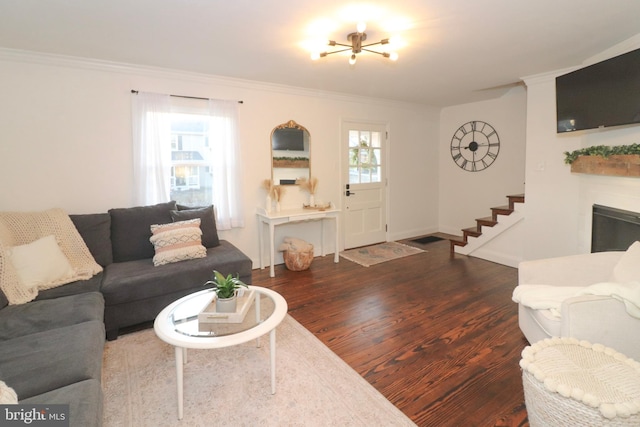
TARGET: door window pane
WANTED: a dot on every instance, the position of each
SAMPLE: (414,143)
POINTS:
(364,156)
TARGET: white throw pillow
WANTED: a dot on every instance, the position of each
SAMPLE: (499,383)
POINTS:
(177,241)
(628,267)
(8,395)
(39,262)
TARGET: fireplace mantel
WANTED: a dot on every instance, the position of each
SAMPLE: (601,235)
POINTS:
(614,165)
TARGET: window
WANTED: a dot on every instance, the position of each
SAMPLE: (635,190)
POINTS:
(191,183)
(187,151)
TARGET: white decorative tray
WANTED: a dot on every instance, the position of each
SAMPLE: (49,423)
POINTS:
(210,315)
(322,207)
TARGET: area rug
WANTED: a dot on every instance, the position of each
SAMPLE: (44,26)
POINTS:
(232,386)
(427,239)
(375,254)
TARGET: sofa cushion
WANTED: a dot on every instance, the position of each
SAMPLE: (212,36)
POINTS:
(39,316)
(37,363)
(177,241)
(628,267)
(78,287)
(40,262)
(138,280)
(84,399)
(207,222)
(95,230)
(131,230)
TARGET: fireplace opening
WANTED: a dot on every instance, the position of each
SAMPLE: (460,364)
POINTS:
(613,229)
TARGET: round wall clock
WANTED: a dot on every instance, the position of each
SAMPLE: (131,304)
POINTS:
(475,146)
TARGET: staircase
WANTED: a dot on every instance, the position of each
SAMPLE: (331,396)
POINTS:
(491,221)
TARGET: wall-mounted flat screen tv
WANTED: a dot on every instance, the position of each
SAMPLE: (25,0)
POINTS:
(600,95)
(288,139)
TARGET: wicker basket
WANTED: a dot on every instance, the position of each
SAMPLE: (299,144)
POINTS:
(574,383)
(298,260)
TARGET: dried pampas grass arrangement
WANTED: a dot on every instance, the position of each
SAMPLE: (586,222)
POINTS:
(309,185)
(267,184)
(278,192)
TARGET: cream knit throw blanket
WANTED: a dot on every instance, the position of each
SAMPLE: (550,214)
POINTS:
(20,228)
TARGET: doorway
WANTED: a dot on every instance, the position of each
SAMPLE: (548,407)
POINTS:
(364,183)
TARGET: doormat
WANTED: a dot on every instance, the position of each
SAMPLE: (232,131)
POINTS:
(428,239)
(382,252)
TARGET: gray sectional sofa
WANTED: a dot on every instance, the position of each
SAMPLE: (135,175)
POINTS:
(51,348)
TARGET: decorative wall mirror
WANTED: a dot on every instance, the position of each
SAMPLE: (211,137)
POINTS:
(290,153)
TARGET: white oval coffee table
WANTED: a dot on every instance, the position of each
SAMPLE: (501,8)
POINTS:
(178,325)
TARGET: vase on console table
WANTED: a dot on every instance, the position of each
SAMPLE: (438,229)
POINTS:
(278,206)
(268,204)
(312,200)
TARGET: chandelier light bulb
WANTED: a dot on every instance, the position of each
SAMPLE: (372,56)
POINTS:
(315,56)
(361,27)
(393,56)
(394,41)
(352,60)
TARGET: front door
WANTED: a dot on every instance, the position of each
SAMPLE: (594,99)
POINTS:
(364,192)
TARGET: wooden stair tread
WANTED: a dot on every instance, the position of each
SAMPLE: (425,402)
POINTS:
(486,221)
(515,198)
(472,231)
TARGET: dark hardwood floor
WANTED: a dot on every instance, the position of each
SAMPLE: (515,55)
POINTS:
(438,336)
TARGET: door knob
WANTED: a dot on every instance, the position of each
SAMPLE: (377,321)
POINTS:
(349,193)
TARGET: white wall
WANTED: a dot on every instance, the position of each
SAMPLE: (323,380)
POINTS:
(559,203)
(66,140)
(465,196)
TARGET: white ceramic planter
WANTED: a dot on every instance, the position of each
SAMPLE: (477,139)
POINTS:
(226,305)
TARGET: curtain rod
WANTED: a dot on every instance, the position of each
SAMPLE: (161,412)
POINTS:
(188,97)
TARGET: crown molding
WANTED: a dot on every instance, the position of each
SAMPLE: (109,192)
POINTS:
(48,59)
(626,46)
(545,77)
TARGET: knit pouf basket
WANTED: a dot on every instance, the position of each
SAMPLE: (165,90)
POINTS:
(568,382)
(298,260)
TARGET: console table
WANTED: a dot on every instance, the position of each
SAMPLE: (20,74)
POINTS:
(273,219)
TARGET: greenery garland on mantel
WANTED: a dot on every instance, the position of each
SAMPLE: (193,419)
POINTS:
(601,150)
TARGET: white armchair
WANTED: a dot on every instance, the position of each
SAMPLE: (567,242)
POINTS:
(597,319)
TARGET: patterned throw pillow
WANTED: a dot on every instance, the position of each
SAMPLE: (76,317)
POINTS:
(177,241)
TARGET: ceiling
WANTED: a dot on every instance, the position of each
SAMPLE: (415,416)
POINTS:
(455,51)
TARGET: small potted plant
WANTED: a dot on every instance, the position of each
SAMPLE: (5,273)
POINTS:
(226,289)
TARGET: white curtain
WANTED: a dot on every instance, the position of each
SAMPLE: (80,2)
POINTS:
(227,177)
(151,148)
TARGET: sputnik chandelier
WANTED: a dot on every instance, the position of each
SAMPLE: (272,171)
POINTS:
(356,46)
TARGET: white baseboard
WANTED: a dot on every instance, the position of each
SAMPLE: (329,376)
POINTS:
(411,233)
